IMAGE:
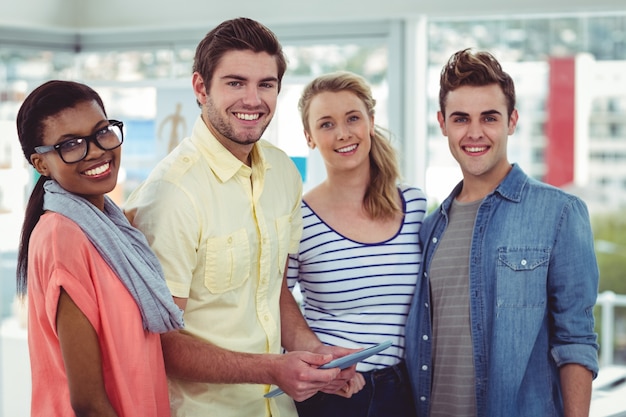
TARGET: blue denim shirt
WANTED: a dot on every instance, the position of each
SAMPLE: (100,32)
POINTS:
(533,284)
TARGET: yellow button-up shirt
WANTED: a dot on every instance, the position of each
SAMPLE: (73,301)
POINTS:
(222,231)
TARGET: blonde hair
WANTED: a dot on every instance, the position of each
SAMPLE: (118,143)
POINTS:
(380,198)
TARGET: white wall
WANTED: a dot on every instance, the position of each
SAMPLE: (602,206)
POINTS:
(15,364)
(39,13)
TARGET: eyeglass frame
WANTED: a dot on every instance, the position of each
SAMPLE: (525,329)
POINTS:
(88,139)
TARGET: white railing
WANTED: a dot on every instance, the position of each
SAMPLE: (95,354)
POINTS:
(608,300)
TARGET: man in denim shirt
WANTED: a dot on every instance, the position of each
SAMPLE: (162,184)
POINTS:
(502,319)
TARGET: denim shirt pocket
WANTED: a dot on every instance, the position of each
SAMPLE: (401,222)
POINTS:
(522,277)
(227,264)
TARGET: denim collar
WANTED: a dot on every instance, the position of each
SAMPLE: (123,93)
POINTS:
(510,188)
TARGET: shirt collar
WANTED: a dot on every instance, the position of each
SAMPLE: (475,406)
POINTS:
(223,163)
(510,188)
(513,184)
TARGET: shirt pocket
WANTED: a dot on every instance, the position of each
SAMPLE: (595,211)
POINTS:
(283,232)
(227,264)
(522,277)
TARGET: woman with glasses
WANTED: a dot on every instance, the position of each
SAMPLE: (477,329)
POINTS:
(97,301)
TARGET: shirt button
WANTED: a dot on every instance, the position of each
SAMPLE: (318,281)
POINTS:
(422,398)
(434,240)
(426,305)
(425,337)
(424,368)
(524,262)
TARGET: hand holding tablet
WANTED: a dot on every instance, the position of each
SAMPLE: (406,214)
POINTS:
(344,362)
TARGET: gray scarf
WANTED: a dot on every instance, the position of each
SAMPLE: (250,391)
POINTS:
(126,250)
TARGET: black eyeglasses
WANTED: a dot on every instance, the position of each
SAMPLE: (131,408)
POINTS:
(76,149)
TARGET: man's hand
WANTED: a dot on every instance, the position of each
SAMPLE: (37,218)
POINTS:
(297,374)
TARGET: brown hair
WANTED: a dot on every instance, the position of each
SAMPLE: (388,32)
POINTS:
(236,34)
(380,198)
(466,67)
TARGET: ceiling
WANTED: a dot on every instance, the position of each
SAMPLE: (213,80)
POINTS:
(111,15)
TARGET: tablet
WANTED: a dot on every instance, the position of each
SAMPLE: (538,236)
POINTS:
(344,362)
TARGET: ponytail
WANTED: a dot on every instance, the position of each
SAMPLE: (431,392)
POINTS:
(34,210)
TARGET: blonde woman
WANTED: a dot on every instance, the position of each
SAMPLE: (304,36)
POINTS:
(359,254)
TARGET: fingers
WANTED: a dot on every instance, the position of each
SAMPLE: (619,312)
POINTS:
(348,388)
(316,359)
(354,385)
(301,377)
(348,373)
(358,382)
(298,374)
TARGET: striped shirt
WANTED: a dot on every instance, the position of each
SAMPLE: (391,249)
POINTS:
(358,294)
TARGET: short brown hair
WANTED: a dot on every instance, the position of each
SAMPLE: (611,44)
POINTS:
(466,67)
(236,34)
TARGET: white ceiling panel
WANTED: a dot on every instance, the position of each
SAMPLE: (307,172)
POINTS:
(86,15)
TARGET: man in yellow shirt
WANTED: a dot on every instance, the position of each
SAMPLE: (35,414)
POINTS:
(222,212)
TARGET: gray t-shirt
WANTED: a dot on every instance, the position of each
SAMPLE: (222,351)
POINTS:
(453,392)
